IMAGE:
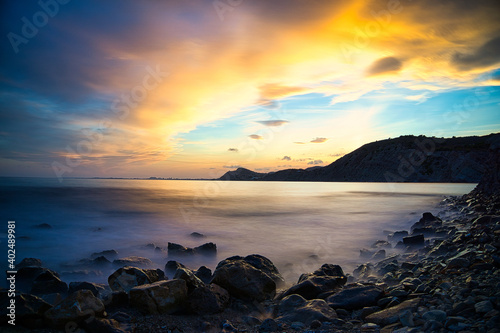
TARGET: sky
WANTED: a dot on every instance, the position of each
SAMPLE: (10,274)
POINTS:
(195,88)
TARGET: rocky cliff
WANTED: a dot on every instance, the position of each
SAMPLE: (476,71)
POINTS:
(404,159)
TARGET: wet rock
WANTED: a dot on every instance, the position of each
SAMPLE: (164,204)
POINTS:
(325,279)
(108,254)
(26,275)
(355,297)
(483,307)
(206,249)
(414,241)
(381,244)
(75,308)
(379,255)
(437,315)
(179,250)
(171,266)
(101,261)
(93,287)
(253,277)
(48,283)
(397,236)
(102,325)
(295,308)
(162,297)
(457,263)
(204,274)
(126,278)
(197,235)
(28,309)
(29,262)
(133,261)
(268,325)
(366,254)
(391,315)
(192,281)
(208,299)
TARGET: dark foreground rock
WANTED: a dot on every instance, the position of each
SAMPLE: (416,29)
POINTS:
(295,308)
(160,297)
(355,297)
(252,278)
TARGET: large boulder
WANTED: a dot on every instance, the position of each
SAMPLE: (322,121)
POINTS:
(75,308)
(26,275)
(391,315)
(208,300)
(295,308)
(29,262)
(48,283)
(164,297)
(427,220)
(28,309)
(192,281)
(93,287)
(209,249)
(251,278)
(126,278)
(355,298)
(179,250)
(171,267)
(325,279)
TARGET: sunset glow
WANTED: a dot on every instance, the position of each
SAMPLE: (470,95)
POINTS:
(196,88)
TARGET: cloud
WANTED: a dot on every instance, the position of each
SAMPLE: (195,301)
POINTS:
(276,91)
(319,140)
(315,162)
(273,122)
(286,158)
(231,166)
(233,149)
(418,98)
(255,136)
(486,55)
(384,65)
(299,143)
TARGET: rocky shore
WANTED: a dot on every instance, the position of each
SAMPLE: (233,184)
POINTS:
(442,275)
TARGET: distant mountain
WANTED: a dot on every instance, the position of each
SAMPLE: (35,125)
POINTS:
(404,159)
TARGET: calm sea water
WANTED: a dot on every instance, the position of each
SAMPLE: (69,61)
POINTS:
(298,225)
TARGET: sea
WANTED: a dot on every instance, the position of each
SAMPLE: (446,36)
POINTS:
(297,225)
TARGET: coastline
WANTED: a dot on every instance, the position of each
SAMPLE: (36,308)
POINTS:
(429,287)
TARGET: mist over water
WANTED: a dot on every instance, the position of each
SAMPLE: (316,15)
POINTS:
(298,225)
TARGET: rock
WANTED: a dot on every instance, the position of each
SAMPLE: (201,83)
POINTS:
(204,274)
(457,263)
(295,308)
(28,309)
(397,236)
(370,327)
(363,271)
(43,226)
(355,298)
(75,308)
(298,326)
(29,262)
(197,235)
(483,307)
(102,325)
(26,275)
(192,281)
(93,287)
(437,315)
(414,241)
(135,261)
(108,254)
(391,315)
(171,266)
(126,278)
(206,249)
(162,297)
(101,261)
(48,283)
(177,249)
(381,244)
(253,277)
(155,274)
(208,300)
(427,220)
(268,325)
(379,255)
(227,327)
(325,279)
(365,253)
(315,324)
(251,321)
